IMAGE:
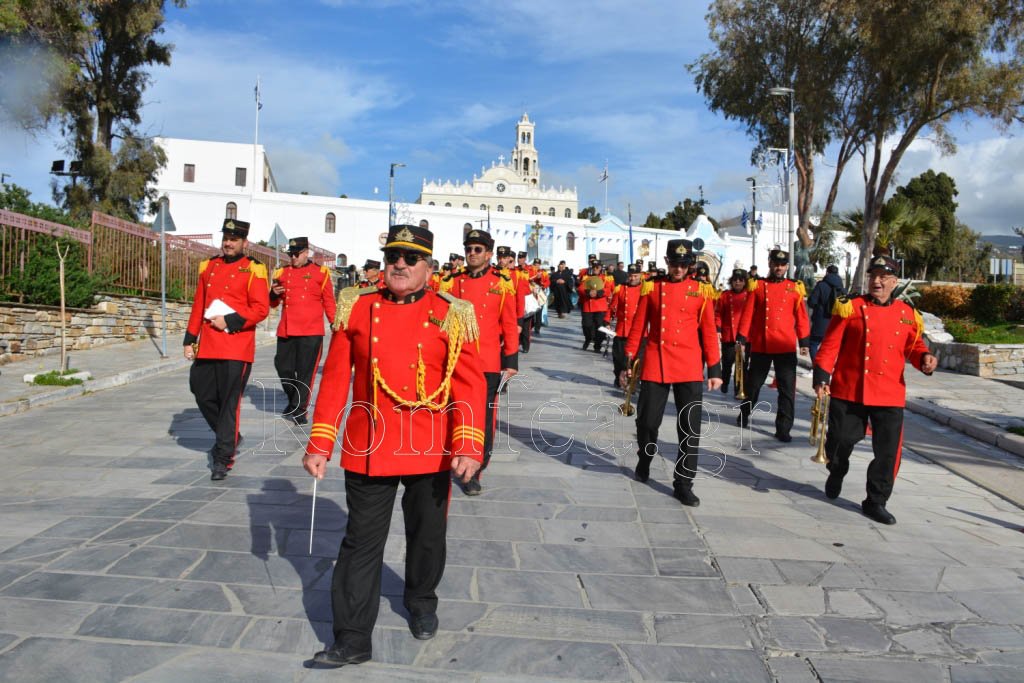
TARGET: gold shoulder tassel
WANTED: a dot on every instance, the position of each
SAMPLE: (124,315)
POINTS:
(646,287)
(460,322)
(843,307)
(752,285)
(347,298)
(920,324)
(708,291)
(801,288)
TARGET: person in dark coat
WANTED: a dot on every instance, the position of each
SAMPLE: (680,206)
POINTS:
(820,303)
(563,282)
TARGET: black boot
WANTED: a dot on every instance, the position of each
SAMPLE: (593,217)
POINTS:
(684,494)
(339,655)
(877,512)
(643,469)
(833,486)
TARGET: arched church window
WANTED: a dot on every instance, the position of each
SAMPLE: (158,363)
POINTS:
(341,261)
(483,207)
(518,209)
(465,205)
(570,241)
(231,210)
(329,222)
(515,164)
(501,207)
(526,165)
(568,213)
(431,204)
(529,137)
(535,211)
(448,204)
(551,211)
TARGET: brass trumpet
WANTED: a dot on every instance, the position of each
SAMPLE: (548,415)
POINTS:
(819,427)
(739,373)
(627,406)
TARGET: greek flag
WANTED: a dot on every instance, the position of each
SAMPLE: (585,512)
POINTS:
(743,220)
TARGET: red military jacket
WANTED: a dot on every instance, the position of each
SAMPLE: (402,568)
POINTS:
(598,304)
(308,297)
(625,300)
(241,283)
(494,301)
(728,310)
(678,320)
(865,349)
(774,318)
(521,280)
(417,386)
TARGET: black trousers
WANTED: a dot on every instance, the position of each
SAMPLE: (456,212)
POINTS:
(296,361)
(592,321)
(218,386)
(538,320)
(650,409)
(490,413)
(785,376)
(355,586)
(618,356)
(847,423)
(524,332)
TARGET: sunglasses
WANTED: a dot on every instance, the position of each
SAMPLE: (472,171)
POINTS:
(411,258)
(475,249)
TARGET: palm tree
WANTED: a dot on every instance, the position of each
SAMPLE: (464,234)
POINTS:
(904,228)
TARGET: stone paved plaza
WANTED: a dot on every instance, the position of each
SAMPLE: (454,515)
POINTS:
(120,560)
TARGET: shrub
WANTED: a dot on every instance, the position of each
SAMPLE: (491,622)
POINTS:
(945,300)
(1015,311)
(991,303)
(961,329)
(39,283)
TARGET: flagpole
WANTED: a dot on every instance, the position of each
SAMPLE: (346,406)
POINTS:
(629,210)
(606,187)
(255,153)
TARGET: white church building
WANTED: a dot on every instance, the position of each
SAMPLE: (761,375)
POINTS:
(206,182)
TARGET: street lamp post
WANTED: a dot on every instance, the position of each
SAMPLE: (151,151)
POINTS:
(164,224)
(391,193)
(782,92)
(753,219)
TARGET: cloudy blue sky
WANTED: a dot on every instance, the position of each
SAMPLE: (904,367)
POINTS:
(350,86)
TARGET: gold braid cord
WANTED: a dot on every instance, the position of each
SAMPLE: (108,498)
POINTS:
(708,291)
(920,324)
(799,287)
(460,325)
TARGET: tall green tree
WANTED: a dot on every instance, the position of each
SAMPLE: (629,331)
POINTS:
(907,229)
(923,63)
(653,221)
(590,213)
(103,49)
(802,44)
(935,191)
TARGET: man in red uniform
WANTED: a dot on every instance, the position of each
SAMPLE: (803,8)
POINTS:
(371,275)
(774,322)
(625,299)
(595,290)
(417,389)
(303,291)
(494,300)
(230,301)
(861,361)
(677,317)
(728,310)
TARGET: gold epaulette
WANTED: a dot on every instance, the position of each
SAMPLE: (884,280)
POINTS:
(347,298)
(257,269)
(507,285)
(646,287)
(843,307)
(460,321)
(617,289)
(920,324)
(447,282)
(277,273)
(799,287)
(708,291)
(325,270)
(202,265)
(752,285)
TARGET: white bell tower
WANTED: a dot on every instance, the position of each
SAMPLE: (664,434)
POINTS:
(524,154)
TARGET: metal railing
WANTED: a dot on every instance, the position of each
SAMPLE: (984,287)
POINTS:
(126,255)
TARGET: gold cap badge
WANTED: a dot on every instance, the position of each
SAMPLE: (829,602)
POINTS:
(405,235)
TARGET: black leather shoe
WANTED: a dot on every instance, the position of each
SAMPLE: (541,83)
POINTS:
(219,472)
(685,495)
(833,486)
(339,655)
(877,512)
(423,627)
(300,419)
(585,345)
(472,487)
(784,438)
(643,470)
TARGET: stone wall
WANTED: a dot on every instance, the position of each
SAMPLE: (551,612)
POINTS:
(1003,361)
(35,330)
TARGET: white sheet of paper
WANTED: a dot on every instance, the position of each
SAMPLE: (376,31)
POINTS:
(217,307)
